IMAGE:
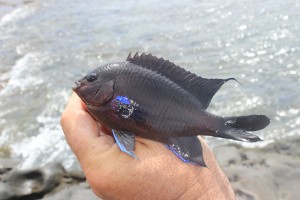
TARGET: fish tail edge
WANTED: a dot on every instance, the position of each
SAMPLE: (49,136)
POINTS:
(236,127)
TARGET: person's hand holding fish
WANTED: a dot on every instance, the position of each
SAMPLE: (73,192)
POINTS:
(157,174)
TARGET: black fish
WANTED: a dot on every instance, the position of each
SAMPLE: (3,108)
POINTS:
(156,99)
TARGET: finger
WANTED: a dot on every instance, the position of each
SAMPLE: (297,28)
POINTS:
(81,130)
(76,117)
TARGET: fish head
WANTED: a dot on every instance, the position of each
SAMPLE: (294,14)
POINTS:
(95,88)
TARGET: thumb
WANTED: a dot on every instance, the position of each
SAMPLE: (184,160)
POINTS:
(82,132)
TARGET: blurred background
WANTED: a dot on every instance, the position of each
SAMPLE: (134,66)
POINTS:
(47,45)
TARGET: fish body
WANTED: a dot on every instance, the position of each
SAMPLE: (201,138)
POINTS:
(155,99)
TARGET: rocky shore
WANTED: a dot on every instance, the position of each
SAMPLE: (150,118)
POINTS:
(51,182)
(266,173)
(272,172)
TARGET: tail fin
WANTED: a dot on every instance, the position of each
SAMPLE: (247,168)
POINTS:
(236,127)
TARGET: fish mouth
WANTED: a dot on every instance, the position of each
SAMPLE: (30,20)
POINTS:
(76,89)
(82,90)
(78,85)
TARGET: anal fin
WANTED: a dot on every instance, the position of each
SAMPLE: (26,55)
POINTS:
(188,149)
(125,141)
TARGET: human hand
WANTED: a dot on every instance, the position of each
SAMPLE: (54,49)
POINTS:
(158,174)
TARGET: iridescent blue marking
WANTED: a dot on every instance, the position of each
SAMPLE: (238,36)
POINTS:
(123,99)
(121,146)
(178,155)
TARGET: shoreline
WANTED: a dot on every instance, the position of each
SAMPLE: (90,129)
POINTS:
(271,172)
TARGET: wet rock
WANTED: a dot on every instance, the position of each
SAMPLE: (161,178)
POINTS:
(266,173)
(76,192)
(228,155)
(5,191)
(30,184)
(288,146)
(75,172)
(244,195)
(7,164)
(77,175)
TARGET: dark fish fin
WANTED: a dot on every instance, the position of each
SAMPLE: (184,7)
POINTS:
(125,141)
(188,149)
(236,127)
(248,123)
(204,89)
(240,135)
(129,56)
(128,108)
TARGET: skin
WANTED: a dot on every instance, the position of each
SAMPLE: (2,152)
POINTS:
(159,174)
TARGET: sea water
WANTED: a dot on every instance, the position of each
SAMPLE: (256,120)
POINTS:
(47,45)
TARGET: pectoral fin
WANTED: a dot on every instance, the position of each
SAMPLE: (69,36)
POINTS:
(125,141)
(188,149)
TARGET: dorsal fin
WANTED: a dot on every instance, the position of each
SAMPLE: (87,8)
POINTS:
(204,89)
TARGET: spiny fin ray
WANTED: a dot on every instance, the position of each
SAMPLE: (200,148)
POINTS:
(203,89)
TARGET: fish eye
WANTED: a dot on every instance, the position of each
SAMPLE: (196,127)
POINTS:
(91,77)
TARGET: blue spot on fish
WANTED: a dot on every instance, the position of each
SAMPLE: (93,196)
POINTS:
(123,100)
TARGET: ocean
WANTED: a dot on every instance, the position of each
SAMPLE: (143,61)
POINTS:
(47,45)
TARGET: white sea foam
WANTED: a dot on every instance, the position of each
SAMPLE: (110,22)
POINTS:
(16,14)
(49,144)
(22,73)
(44,142)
